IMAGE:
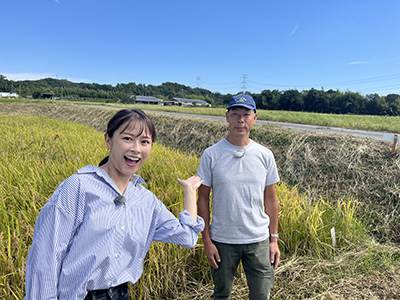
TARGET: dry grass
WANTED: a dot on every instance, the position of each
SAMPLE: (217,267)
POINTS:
(341,278)
(330,166)
(333,167)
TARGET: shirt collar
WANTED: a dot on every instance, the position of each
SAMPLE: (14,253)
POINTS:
(135,179)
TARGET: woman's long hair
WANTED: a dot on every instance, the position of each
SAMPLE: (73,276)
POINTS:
(126,118)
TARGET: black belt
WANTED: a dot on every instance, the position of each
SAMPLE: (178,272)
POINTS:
(116,292)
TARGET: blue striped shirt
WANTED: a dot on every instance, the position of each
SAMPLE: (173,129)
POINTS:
(82,241)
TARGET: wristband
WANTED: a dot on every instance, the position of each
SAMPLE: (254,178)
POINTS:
(276,235)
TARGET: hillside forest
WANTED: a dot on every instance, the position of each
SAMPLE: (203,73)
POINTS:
(313,100)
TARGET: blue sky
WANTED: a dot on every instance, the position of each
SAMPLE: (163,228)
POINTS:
(220,45)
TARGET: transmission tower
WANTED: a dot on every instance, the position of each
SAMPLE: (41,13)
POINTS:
(198,81)
(244,82)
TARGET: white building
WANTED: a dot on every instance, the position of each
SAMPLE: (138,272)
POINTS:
(189,102)
(148,100)
(173,101)
(8,95)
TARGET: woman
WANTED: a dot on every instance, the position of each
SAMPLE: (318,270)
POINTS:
(92,236)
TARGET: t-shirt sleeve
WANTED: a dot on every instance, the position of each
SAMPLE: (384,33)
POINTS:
(272,171)
(204,169)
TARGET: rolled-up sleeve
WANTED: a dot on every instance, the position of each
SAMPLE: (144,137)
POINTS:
(183,231)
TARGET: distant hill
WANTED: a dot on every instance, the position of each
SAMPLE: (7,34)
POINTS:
(65,89)
(320,101)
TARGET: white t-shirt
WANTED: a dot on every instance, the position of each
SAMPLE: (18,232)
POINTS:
(238,177)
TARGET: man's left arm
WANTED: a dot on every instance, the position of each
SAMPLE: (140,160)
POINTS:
(271,207)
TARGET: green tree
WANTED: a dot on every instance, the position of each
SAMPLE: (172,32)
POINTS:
(376,105)
(292,100)
(353,103)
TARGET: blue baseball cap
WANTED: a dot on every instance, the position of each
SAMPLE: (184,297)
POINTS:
(242,100)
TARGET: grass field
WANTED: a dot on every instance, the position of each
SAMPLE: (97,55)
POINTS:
(333,191)
(376,123)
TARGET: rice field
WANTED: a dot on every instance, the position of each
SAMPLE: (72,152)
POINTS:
(366,122)
(38,153)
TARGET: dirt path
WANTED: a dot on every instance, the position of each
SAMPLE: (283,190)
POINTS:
(302,127)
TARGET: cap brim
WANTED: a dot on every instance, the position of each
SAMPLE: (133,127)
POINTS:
(242,105)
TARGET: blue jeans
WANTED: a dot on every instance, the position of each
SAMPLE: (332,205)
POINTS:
(256,262)
(119,292)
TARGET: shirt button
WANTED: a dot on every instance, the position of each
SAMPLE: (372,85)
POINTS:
(123,227)
(116,255)
(109,283)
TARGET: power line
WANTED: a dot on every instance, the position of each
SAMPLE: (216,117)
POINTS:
(220,83)
(249,85)
(350,82)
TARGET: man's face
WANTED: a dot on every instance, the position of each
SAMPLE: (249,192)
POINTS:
(241,120)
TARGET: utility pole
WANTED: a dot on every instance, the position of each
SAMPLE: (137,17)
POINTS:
(198,81)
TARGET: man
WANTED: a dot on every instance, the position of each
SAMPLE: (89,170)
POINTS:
(244,227)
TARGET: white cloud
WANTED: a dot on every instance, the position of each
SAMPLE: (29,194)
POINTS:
(356,63)
(37,76)
(27,76)
(294,29)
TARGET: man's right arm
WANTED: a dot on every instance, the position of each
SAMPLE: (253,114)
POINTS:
(204,211)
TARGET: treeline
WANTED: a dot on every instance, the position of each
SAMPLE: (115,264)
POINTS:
(331,101)
(61,88)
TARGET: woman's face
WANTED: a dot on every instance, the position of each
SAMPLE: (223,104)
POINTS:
(129,149)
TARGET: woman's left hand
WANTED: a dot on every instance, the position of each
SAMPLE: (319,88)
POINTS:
(192,182)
